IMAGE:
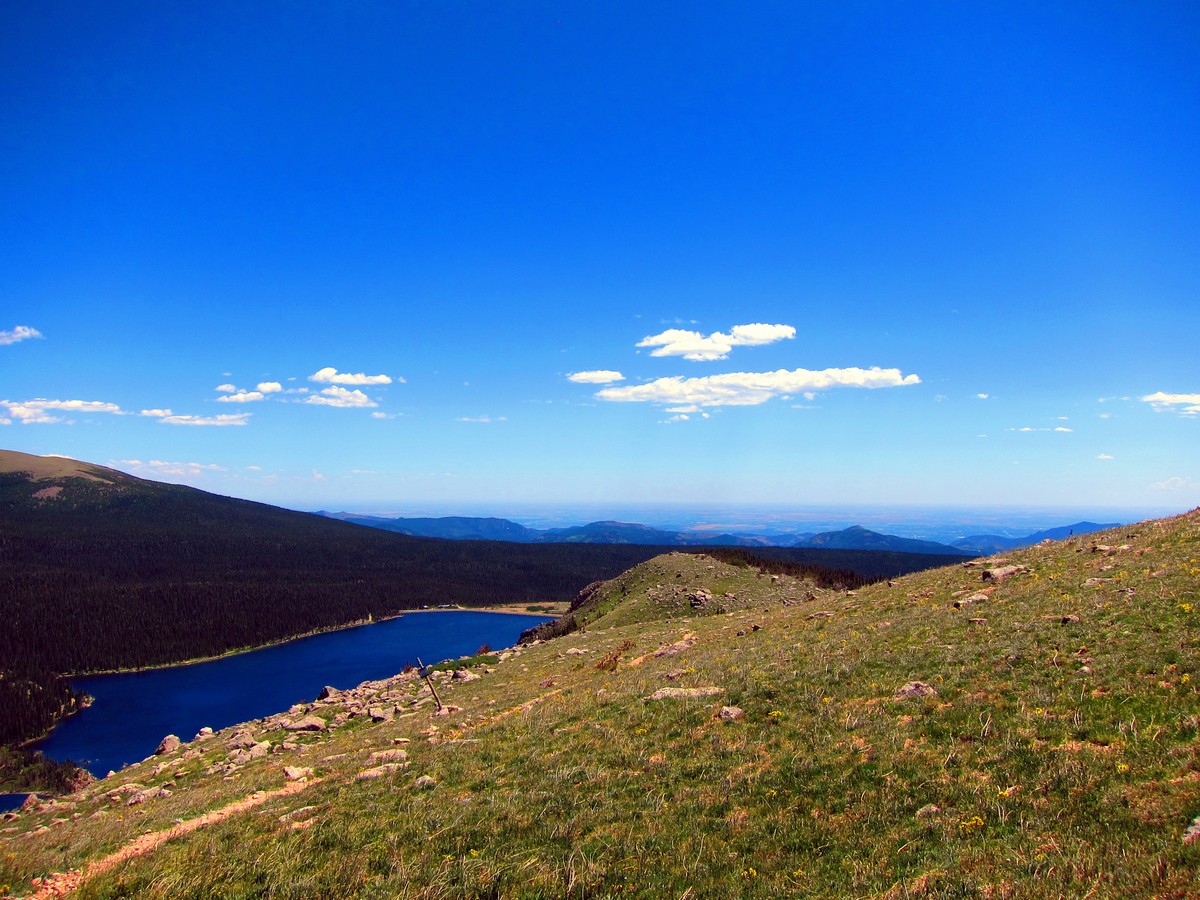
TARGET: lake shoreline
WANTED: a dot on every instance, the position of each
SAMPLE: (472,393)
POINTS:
(133,710)
(507,609)
(553,610)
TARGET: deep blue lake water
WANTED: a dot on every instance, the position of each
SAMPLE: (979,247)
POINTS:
(11,801)
(133,711)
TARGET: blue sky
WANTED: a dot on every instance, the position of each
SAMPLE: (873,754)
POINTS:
(376,254)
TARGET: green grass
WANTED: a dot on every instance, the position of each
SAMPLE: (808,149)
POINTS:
(1056,759)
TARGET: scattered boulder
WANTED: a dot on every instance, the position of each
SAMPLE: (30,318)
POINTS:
(929,809)
(916,689)
(673,693)
(1000,573)
(380,713)
(296,773)
(1192,833)
(241,740)
(328,693)
(306,723)
(380,771)
(425,783)
(731,714)
(169,744)
(465,676)
(394,755)
(977,597)
(686,643)
(303,812)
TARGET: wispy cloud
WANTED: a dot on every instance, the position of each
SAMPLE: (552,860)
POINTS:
(1177,483)
(340,397)
(752,388)
(225,419)
(1105,456)
(38,412)
(330,375)
(1184,404)
(483,420)
(1028,428)
(158,467)
(20,333)
(596,376)
(697,347)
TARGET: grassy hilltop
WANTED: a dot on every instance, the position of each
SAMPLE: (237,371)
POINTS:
(711,731)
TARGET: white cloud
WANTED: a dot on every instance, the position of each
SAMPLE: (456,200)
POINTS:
(226,388)
(35,412)
(484,420)
(695,346)
(216,421)
(1162,401)
(156,413)
(269,387)
(982,396)
(20,333)
(330,375)
(1177,483)
(1065,430)
(242,397)
(383,415)
(158,467)
(752,388)
(597,376)
(1061,429)
(340,397)
(1105,456)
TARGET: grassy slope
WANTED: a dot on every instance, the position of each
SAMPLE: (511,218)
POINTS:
(1060,755)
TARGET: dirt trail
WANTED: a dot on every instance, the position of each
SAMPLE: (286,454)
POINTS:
(61,884)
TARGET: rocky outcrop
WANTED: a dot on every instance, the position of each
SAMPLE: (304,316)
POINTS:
(169,744)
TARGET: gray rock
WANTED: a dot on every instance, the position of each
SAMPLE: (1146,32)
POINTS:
(307,723)
(241,740)
(295,773)
(380,771)
(731,714)
(169,744)
(425,783)
(671,693)
(999,573)
(389,756)
(916,689)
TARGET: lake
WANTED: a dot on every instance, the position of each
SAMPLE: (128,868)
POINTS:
(133,711)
